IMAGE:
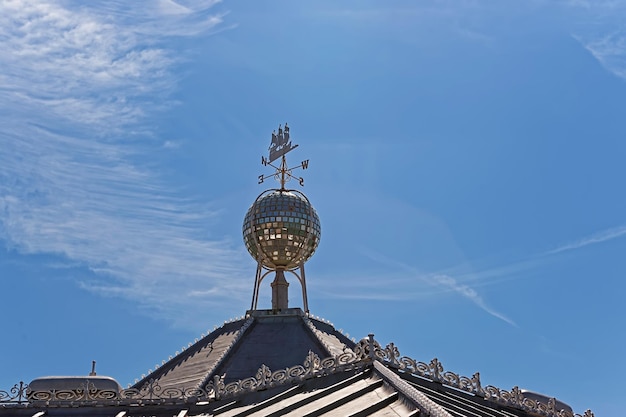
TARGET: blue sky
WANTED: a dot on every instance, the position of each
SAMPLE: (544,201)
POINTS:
(466,162)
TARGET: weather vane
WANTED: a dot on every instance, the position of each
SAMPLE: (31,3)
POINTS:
(280,146)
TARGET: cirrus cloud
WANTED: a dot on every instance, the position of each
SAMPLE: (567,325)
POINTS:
(78,88)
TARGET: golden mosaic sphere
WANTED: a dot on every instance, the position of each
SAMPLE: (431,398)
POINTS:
(281,229)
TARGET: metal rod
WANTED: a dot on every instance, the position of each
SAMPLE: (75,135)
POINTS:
(255,292)
(305,301)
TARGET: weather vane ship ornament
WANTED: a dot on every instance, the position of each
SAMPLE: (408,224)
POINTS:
(281,229)
(280,146)
(280,143)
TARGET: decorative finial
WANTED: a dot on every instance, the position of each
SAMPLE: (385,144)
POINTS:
(93,369)
(281,229)
(279,147)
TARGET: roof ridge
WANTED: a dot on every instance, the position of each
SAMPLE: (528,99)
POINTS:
(315,331)
(162,369)
(242,330)
(425,404)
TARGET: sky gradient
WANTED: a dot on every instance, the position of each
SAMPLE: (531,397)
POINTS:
(466,162)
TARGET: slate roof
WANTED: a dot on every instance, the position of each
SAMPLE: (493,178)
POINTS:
(277,340)
(363,393)
(285,363)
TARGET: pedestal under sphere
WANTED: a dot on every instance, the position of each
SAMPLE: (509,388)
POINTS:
(281,229)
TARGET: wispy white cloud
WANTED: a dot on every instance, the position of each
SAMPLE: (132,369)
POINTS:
(172,144)
(471,294)
(78,86)
(391,288)
(411,284)
(609,49)
(599,237)
(601,4)
(601,32)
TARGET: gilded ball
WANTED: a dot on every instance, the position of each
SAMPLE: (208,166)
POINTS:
(281,229)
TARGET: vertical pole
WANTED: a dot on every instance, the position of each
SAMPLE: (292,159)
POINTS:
(370,345)
(255,292)
(305,301)
(283,170)
(280,291)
